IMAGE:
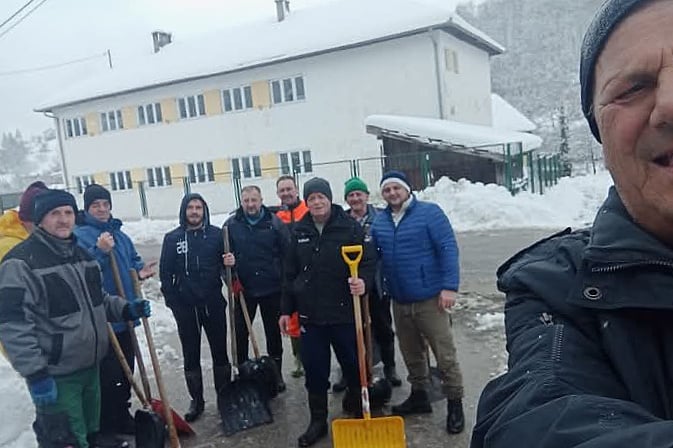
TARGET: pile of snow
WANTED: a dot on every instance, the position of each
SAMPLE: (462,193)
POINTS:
(471,206)
(489,321)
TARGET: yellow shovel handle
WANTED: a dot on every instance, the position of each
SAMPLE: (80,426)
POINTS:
(347,252)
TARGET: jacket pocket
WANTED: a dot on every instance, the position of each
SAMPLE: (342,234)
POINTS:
(93,282)
(61,299)
(56,349)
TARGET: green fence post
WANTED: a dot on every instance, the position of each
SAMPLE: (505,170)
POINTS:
(143,199)
(531,172)
(508,167)
(557,160)
(540,174)
(186,186)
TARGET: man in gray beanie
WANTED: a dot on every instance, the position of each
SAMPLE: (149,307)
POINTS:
(588,313)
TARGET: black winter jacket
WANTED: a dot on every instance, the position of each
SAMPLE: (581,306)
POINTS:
(590,338)
(316,276)
(191,261)
(259,250)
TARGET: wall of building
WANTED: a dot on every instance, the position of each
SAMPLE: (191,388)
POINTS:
(342,88)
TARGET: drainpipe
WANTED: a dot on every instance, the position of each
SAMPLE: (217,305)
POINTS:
(433,33)
(59,135)
(280,10)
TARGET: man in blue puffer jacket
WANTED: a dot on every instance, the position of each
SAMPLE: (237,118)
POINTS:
(190,271)
(100,234)
(421,272)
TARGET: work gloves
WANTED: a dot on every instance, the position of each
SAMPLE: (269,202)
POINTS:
(43,391)
(136,310)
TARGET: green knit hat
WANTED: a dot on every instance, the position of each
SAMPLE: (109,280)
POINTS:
(355,184)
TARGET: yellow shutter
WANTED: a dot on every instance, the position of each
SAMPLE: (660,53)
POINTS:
(222,168)
(129,117)
(270,164)
(137,175)
(169,110)
(92,124)
(177,173)
(102,178)
(213,103)
(261,97)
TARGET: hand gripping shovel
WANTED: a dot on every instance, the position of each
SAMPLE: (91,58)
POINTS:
(150,428)
(181,425)
(240,404)
(380,432)
(263,370)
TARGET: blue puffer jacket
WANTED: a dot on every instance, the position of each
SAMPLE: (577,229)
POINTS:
(87,232)
(420,255)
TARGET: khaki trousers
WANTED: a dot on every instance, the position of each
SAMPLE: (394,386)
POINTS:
(419,324)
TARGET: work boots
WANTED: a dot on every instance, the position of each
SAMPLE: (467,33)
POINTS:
(455,419)
(281,383)
(317,428)
(417,403)
(195,388)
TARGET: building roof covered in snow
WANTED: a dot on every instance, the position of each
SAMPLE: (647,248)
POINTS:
(334,26)
(506,116)
(449,133)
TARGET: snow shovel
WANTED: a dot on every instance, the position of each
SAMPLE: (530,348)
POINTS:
(180,424)
(380,432)
(240,404)
(150,429)
(263,370)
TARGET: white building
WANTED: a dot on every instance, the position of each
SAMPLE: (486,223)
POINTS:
(258,101)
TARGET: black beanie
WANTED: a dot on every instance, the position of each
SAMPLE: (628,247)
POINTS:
(48,200)
(94,192)
(317,185)
(606,19)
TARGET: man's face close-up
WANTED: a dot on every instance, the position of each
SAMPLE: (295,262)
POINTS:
(394,194)
(287,192)
(100,209)
(633,103)
(194,213)
(252,202)
(357,200)
(59,222)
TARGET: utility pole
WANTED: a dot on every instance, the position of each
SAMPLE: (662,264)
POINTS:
(109,58)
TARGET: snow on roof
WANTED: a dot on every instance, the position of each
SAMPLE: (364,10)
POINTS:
(450,133)
(506,116)
(329,27)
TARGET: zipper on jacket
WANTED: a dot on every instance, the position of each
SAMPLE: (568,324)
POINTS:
(635,264)
(85,292)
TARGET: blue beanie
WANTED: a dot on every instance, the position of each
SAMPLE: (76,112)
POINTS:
(397,177)
(606,19)
(48,200)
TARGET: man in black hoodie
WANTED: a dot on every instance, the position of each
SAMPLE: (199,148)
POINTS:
(190,268)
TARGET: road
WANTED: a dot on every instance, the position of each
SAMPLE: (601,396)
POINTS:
(480,348)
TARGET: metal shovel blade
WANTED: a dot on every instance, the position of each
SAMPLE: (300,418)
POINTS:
(242,406)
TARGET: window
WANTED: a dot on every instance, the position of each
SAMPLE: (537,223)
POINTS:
(121,180)
(149,114)
(237,99)
(296,162)
(246,167)
(159,176)
(191,106)
(83,181)
(201,172)
(451,60)
(288,90)
(75,127)
(111,121)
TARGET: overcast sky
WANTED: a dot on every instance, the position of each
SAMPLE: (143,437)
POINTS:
(64,30)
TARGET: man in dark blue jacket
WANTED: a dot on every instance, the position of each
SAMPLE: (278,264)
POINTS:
(190,271)
(420,266)
(259,242)
(588,313)
(100,234)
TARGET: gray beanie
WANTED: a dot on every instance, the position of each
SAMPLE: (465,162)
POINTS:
(606,19)
(317,185)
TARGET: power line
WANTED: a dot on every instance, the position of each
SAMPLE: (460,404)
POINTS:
(16,13)
(52,66)
(21,19)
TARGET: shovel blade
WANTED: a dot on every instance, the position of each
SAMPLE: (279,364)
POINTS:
(383,432)
(242,406)
(150,430)
(180,424)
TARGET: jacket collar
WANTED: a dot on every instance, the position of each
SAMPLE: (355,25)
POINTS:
(111,225)
(240,215)
(61,248)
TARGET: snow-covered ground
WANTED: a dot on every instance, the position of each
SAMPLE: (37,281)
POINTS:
(573,202)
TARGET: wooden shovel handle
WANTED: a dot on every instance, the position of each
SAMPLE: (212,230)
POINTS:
(362,363)
(134,340)
(232,302)
(125,366)
(248,323)
(367,319)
